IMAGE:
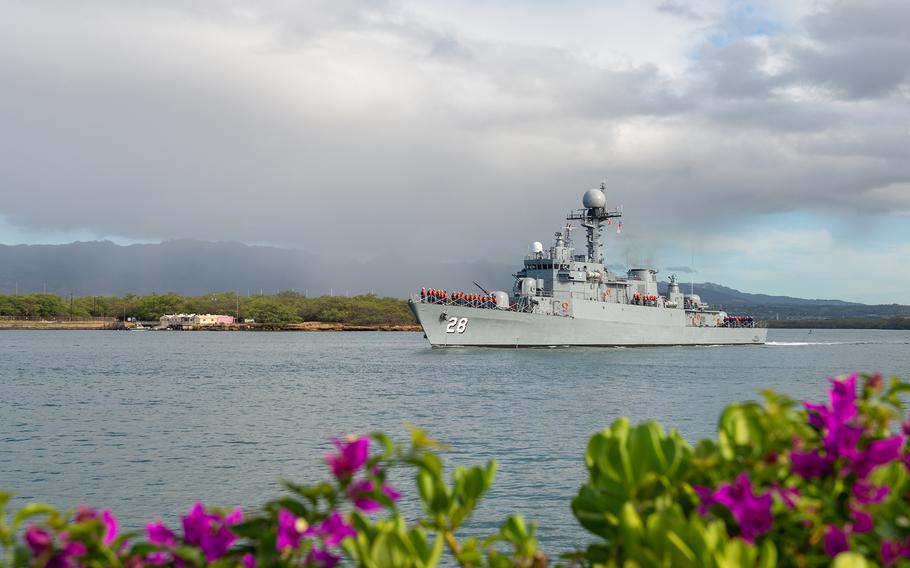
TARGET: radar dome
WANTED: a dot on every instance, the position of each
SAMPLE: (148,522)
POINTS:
(594,198)
(536,247)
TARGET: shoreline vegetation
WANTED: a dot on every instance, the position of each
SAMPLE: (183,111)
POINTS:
(289,311)
(284,311)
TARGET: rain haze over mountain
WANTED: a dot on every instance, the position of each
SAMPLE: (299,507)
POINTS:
(765,146)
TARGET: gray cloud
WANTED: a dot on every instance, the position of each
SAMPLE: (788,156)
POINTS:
(359,127)
(682,269)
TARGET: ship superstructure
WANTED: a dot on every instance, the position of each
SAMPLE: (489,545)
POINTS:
(563,297)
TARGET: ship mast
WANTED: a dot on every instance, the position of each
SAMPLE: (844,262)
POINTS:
(594,216)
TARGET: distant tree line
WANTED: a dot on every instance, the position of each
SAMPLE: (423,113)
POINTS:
(284,307)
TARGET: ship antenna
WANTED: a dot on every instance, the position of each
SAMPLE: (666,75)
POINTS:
(692,279)
(593,217)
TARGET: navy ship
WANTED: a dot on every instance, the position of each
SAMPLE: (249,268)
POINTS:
(561,298)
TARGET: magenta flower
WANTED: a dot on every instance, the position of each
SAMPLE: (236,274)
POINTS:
(322,558)
(288,530)
(892,550)
(248,560)
(38,540)
(159,534)
(362,493)
(868,494)
(72,549)
(879,452)
(753,513)
(705,498)
(835,541)
(107,518)
(839,435)
(862,521)
(234,517)
(209,531)
(788,495)
(350,457)
(110,526)
(809,465)
(333,530)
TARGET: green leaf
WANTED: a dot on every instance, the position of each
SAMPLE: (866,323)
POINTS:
(190,554)
(768,555)
(850,560)
(32,510)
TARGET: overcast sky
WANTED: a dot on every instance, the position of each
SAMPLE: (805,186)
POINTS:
(765,144)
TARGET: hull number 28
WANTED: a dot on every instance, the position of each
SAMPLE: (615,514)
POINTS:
(457,325)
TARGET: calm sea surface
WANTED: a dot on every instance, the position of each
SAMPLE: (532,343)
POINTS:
(146,423)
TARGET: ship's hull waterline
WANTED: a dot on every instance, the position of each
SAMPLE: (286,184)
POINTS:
(590,323)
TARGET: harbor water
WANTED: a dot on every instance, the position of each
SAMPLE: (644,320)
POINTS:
(148,423)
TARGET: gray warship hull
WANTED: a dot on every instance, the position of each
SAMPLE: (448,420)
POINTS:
(590,323)
(562,297)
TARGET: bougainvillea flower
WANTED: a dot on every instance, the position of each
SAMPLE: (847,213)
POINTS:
(248,560)
(159,534)
(788,495)
(843,398)
(705,499)
(38,540)
(835,541)
(868,494)
(753,513)
(350,457)
(234,517)
(362,493)
(110,526)
(862,521)
(289,530)
(197,523)
(809,465)
(217,543)
(818,414)
(891,551)
(839,435)
(879,452)
(875,382)
(107,518)
(333,530)
(209,531)
(85,513)
(323,558)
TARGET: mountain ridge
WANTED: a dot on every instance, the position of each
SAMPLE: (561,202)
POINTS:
(193,267)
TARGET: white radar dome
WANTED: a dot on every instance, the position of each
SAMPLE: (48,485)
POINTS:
(594,198)
(536,247)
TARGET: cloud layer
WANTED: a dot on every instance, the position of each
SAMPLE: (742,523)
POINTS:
(462,132)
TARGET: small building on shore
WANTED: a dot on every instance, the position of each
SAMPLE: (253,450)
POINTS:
(194,321)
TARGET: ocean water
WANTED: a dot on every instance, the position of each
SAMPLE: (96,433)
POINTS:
(147,423)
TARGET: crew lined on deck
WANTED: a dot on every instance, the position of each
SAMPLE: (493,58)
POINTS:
(739,321)
(641,300)
(434,296)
